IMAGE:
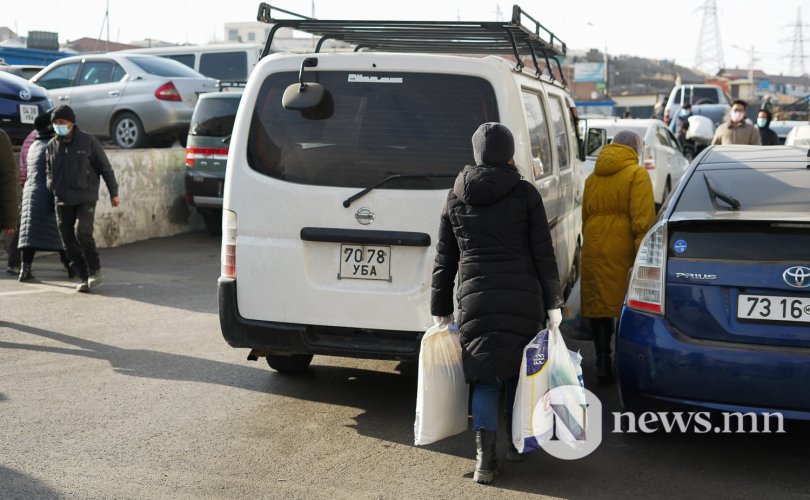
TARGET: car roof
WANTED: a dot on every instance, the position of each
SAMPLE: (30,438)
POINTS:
(724,157)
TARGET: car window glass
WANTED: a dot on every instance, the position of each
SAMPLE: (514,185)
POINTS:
(59,77)
(160,66)
(370,126)
(118,73)
(231,66)
(96,72)
(214,117)
(673,142)
(185,59)
(662,138)
(538,135)
(560,132)
(766,190)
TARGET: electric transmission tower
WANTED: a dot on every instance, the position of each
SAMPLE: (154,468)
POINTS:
(797,56)
(709,53)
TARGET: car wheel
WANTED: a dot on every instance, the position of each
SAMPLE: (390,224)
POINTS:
(127,132)
(295,363)
(213,223)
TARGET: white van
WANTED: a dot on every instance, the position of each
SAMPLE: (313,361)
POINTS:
(331,213)
(226,62)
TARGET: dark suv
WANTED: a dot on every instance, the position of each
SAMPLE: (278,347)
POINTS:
(207,154)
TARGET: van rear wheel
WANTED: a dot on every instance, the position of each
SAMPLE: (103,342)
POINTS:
(294,363)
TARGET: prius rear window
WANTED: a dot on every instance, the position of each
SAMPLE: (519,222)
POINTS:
(373,125)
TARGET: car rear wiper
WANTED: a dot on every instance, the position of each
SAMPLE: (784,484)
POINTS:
(226,139)
(714,193)
(348,201)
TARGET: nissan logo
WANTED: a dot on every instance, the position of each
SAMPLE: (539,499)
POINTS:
(797,276)
(364,216)
(25,95)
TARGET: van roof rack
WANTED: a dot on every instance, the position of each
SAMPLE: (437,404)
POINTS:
(446,37)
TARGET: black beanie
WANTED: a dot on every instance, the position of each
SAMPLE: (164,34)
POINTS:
(42,122)
(493,144)
(63,112)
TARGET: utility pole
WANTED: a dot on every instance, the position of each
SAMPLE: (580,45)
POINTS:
(797,56)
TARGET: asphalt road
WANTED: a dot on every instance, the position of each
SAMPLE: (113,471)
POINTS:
(131,392)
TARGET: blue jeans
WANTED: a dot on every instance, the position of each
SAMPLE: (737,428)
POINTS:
(485,404)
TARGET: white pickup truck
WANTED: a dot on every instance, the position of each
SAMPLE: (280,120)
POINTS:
(706,99)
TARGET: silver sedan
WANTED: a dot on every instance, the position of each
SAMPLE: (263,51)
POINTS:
(135,100)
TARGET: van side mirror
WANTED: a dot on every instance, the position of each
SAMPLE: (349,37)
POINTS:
(597,137)
(303,96)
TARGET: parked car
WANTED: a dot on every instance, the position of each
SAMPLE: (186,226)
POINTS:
(791,132)
(22,70)
(226,62)
(333,195)
(207,153)
(717,312)
(132,99)
(20,103)
(662,156)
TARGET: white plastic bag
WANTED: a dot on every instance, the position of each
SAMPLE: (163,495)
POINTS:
(441,393)
(547,363)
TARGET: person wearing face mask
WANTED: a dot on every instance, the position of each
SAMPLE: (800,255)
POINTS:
(494,235)
(73,164)
(766,136)
(736,130)
(617,211)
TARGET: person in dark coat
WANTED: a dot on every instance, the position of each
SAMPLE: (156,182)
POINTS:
(766,136)
(74,163)
(494,230)
(38,229)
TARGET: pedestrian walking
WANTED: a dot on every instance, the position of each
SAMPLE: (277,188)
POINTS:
(736,130)
(13,264)
(767,137)
(494,230)
(74,163)
(9,187)
(617,211)
(38,228)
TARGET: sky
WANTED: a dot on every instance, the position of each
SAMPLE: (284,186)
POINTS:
(654,29)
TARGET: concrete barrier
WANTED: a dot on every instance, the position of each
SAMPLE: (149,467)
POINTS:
(152,190)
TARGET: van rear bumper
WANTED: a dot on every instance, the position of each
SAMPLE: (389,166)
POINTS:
(290,338)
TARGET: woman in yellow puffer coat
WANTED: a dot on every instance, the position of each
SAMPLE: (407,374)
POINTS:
(617,211)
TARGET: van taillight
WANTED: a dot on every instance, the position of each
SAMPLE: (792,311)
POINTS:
(646,290)
(229,232)
(167,92)
(193,153)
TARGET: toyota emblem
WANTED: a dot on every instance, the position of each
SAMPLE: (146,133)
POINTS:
(364,216)
(25,95)
(797,276)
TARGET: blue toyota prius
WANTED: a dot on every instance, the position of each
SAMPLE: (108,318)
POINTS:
(717,313)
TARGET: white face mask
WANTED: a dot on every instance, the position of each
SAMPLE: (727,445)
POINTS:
(737,116)
(61,130)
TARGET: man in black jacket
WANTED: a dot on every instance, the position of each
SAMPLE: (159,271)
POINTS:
(74,162)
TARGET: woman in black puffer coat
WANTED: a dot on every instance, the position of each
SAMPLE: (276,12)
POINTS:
(494,233)
(38,229)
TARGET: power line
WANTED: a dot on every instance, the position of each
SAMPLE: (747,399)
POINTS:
(797,56)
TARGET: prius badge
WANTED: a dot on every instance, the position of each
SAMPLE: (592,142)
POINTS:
(364,216)
(797,276)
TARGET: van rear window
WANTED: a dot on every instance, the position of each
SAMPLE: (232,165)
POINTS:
(214,117)
(376,125)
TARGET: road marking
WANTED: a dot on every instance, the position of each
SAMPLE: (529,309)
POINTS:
(43,288)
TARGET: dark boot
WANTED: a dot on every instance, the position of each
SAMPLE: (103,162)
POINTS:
(25,273)
(486,462)
(512,454)
(602,336)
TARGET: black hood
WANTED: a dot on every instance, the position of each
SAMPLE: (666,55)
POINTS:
(484,184)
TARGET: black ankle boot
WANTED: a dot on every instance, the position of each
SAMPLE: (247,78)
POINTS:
(486,462)
(604,369)
(25,273)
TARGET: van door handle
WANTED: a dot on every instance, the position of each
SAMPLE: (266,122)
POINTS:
(115,93)
(63,98)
